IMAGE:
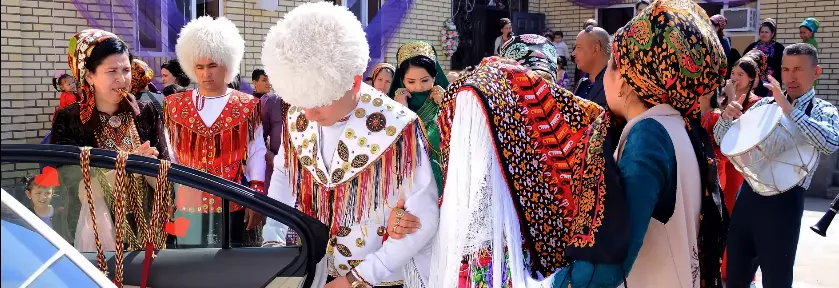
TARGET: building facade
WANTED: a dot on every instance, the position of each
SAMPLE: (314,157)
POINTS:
(33,39)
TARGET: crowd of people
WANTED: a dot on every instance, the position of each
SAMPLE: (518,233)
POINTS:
(498,176)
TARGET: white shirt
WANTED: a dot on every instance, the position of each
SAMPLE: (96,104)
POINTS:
(562,50)
(388,262)
(255,169)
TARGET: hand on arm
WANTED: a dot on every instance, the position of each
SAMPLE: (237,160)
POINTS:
(401,223)
(395,254)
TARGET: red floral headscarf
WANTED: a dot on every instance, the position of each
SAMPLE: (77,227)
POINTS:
(81,45)
(141,75)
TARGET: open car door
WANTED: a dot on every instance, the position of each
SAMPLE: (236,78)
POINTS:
(213,262)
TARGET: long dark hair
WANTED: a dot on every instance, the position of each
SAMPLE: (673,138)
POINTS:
(108,47)
(505,22)
(749,65)
(418,61)
(174,67)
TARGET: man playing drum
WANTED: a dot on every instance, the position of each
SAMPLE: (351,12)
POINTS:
(767,227)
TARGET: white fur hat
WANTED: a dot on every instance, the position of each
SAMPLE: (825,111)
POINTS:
(314,53)
(218,39)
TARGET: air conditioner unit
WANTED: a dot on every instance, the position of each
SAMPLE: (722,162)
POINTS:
(740,19)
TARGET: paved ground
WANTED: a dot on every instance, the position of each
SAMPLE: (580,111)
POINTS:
(817,259)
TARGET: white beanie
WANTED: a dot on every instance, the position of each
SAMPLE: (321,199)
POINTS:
(218,39)
(314,53)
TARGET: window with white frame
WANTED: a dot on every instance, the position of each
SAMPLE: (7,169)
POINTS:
(155,23)
(364,10)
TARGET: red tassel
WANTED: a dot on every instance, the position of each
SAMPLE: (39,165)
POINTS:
(147,264)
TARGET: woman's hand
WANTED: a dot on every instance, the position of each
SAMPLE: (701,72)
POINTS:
(402,96)
(734,110)
(730,89)
(437,94)
(146,150)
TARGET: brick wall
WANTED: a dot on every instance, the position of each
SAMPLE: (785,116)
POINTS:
(33,48)
(33,40)
(423,22)
(568,17)
(789,16)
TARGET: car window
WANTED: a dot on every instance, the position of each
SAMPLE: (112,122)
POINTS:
(63,273)
(26,252)
(192,220)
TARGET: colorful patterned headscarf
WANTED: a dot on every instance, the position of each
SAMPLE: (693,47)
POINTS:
(719,20)
(669,54)
(668,59)
(762,62)
(811,23)
(771,24)
(81,45)
(141,75)
(382,66)
(532,51)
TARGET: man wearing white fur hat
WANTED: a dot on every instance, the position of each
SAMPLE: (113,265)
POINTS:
(351,154)
(215,129)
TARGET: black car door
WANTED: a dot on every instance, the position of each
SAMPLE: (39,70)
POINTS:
(216,264)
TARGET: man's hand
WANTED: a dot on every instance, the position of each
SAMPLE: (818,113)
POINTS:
(779,95)
(734,110)
(340,282)
(253,219)
(401,223)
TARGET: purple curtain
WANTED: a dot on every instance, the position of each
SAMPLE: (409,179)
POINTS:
(99,13)
(383,27)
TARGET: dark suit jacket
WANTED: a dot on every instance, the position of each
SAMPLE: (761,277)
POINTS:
(592,91)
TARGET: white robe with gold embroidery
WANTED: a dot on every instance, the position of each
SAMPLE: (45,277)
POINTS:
(391,262)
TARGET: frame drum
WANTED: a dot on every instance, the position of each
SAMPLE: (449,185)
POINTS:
(769,150)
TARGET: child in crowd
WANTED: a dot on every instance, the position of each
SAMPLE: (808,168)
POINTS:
(65,84)
(39,190)
(562,78)
(561,47)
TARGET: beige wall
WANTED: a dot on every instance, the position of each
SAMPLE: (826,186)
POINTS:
(568,17)
(33,36)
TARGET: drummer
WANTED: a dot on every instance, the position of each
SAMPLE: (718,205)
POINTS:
(766,228)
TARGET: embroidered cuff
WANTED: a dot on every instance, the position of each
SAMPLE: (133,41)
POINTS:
(358,276)
(258,187)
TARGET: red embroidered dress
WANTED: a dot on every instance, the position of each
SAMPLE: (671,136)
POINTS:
(220,149)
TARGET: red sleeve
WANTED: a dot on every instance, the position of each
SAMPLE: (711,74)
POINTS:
(66,99)
(709,120)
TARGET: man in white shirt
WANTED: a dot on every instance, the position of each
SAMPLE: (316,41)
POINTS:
(215,129)
(350,154)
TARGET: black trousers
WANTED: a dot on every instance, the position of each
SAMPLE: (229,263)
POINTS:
(764,232)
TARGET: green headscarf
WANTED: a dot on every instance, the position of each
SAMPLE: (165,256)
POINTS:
(421,102)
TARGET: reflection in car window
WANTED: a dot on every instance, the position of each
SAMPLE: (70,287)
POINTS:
(62,204)
(23,249)
(63,273)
